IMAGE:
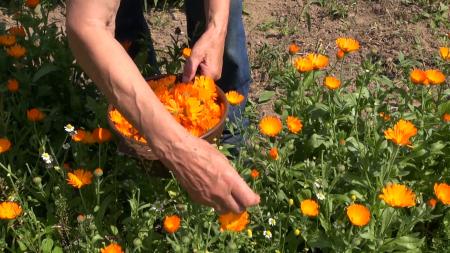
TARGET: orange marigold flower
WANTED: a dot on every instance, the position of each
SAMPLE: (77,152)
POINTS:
(234,97)
(432,202)
(270,126)
(319,61)
(233,222)
(254,174)
(5,145)
(79,178)
(418,76)
(18,31)
(9,210)
(340,54)
(385,116)
(89,138)
(101,135)
(16,51)
(442,192)
(112,248)
(293,48)
(7,40)
(273,153)
(303,64)
(398,195)
(79,135)
(309,207)
(400,134)
(98,172)
(435,76)
(332,83)
(186,52)
(358,215)
(446,117)
(347,44)
(35,115)
(172,223)
(445,53)
(32,3)
(294,124)
(12,85)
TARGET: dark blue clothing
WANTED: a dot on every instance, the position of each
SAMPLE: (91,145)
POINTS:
(131,26)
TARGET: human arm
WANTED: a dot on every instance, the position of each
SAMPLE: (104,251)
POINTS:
(203,171)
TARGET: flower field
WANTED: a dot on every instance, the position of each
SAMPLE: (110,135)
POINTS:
(343,162)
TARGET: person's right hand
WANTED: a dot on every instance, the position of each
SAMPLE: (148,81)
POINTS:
(208,176)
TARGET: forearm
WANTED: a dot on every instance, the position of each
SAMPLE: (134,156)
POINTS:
(113,71)
(217,12)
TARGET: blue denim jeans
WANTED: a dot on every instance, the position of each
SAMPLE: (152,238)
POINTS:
(131,26)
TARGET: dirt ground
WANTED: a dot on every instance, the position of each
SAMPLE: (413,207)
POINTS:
(384,27)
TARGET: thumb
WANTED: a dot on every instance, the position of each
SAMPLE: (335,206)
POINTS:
(190,68)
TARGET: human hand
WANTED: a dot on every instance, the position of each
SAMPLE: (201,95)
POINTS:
(207,56)
(208,176)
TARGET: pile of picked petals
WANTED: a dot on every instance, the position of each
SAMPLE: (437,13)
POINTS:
(193,105)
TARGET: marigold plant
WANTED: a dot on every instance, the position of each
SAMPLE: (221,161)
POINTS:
(16,51)
(79,178)
(112,248)
(434,76)
(432,202)
(35,115)
(273,153)
(254,174)
(5,145)
(234,222)
(186,52)
(9,210)
(32,3)
(17,31)
(446,117)
(7,40)
(398,195)
(319,61)
(294,124)
(418,76)
(270,126)
(234,97)
(359,215)
(442,192)
(347,45)
(101,135)
(332,83)
(293,48)
(12,85)
(303,64)
(172,223)
(445,53)
(401,133)
(309,207)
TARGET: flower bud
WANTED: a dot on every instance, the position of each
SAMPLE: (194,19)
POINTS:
(98,172)
(291,202)
(297,232)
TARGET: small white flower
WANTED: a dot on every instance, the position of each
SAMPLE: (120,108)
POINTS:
(69,129)
(320,196)
(267,234)
(66,146)
(272,222)
(317,184)
(47,158)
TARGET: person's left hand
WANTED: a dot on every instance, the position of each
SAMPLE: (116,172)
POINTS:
(207,56)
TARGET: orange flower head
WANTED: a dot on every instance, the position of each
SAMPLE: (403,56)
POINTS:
(385,116)
(398,195)
(319,61)
(16,51)
(332,83)
(17,31)
(9,210)
(172,223)
(234,222)
(112,248)
(418,76)
(294,124)
(442,192)
(35,115)
(445,53)
(186,52)
(273,153)
(435,76)
(293,48)
(12,85)
(401,133)
(98,172)
(309,207)
(79,178)
(347,44)
(5,145)
(254,174)
(432,202)
(358,215)
(234,97)
(89,138)
(446,117)
(270,126)
(79,136)
(101,135)
(340,54)
(7,40)
(32,3)
(303,64)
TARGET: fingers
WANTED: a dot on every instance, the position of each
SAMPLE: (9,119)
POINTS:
(229,204)
(190,68)
(243,195)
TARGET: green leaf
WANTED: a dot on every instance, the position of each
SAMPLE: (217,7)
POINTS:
(47,245)
(114,230)
(57,250)
(44,70)
(437,147)
(266,96)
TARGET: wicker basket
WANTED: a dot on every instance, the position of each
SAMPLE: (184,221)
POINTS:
(143,152)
